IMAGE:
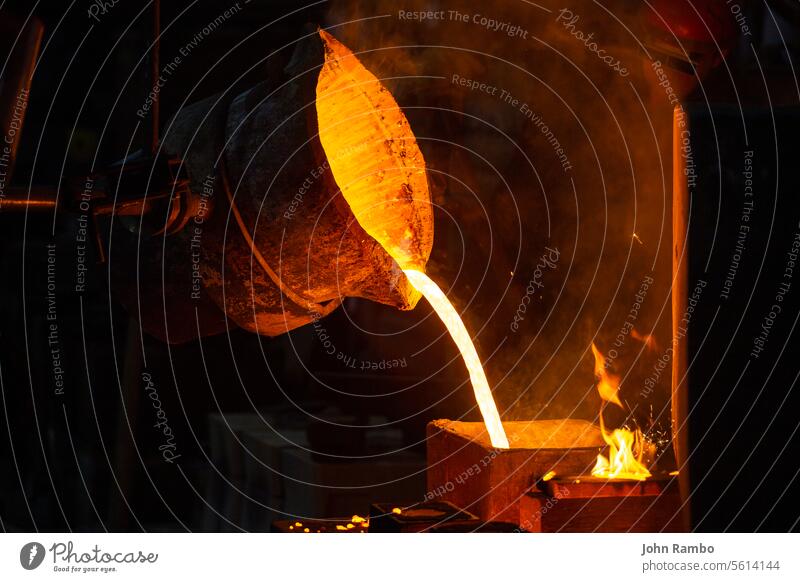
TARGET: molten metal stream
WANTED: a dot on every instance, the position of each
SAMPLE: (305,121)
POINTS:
(480,385)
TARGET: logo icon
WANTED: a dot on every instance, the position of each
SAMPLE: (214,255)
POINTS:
(31,555)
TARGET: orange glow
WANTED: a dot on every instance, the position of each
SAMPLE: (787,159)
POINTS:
(625,456)
(607,384)
(648,340)
(377,164)
(480,385)
(625,447)
(374,156)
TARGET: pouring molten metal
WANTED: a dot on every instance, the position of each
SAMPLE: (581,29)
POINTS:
(460,335)
(379,167)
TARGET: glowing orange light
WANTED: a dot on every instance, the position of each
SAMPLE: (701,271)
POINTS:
(480,385)
(607,384)
(625,456)
(376,161)
(625,447)
(648,340)
(374,156)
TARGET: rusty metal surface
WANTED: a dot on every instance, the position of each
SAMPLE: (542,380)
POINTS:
(465,470)
(265,140)
(615,514)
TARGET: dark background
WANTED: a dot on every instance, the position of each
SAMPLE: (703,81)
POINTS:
(83,461)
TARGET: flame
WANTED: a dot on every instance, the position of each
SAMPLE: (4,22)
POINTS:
(625,447)
(460,335)
(648,340)
(607,384)
(625,455)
